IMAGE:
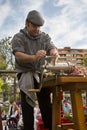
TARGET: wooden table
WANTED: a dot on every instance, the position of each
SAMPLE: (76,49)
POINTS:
(74,84)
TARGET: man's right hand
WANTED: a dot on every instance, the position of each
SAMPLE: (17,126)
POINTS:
(40,54)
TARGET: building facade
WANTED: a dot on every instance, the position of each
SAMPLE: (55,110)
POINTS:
(74,56)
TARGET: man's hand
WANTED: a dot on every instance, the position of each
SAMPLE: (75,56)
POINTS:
(54,52)
(40,54)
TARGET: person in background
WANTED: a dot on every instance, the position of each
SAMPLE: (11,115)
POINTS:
(14,111)
(67,107)
(3,115)
(4,119)
(37,114)
(30,47)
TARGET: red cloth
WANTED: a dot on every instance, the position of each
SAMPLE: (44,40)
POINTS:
(65,120)
(61,95)
(40,125)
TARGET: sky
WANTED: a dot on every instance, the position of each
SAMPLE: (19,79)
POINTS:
(65,20)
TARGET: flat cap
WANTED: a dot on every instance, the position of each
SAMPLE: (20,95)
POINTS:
(35,18)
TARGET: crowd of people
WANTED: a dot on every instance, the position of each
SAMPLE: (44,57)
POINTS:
(13,114)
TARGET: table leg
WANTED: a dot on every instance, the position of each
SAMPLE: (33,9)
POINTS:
(56,107)
(78,112)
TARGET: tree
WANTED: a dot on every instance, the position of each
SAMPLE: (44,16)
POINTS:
(1,83)
(3,64)
(6,52)
(5,91)
(6,62)
(85,61)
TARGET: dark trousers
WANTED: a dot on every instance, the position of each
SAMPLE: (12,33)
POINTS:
(27,113)
(45,107)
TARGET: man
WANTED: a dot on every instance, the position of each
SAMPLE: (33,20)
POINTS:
(30,46)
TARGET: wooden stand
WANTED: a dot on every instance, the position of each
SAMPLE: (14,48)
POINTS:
(74,85)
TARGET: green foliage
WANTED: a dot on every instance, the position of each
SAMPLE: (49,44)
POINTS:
(4,88)
(6,108)
(3,64)
(85,61)
(68,116)
(6,51)
(1,83)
